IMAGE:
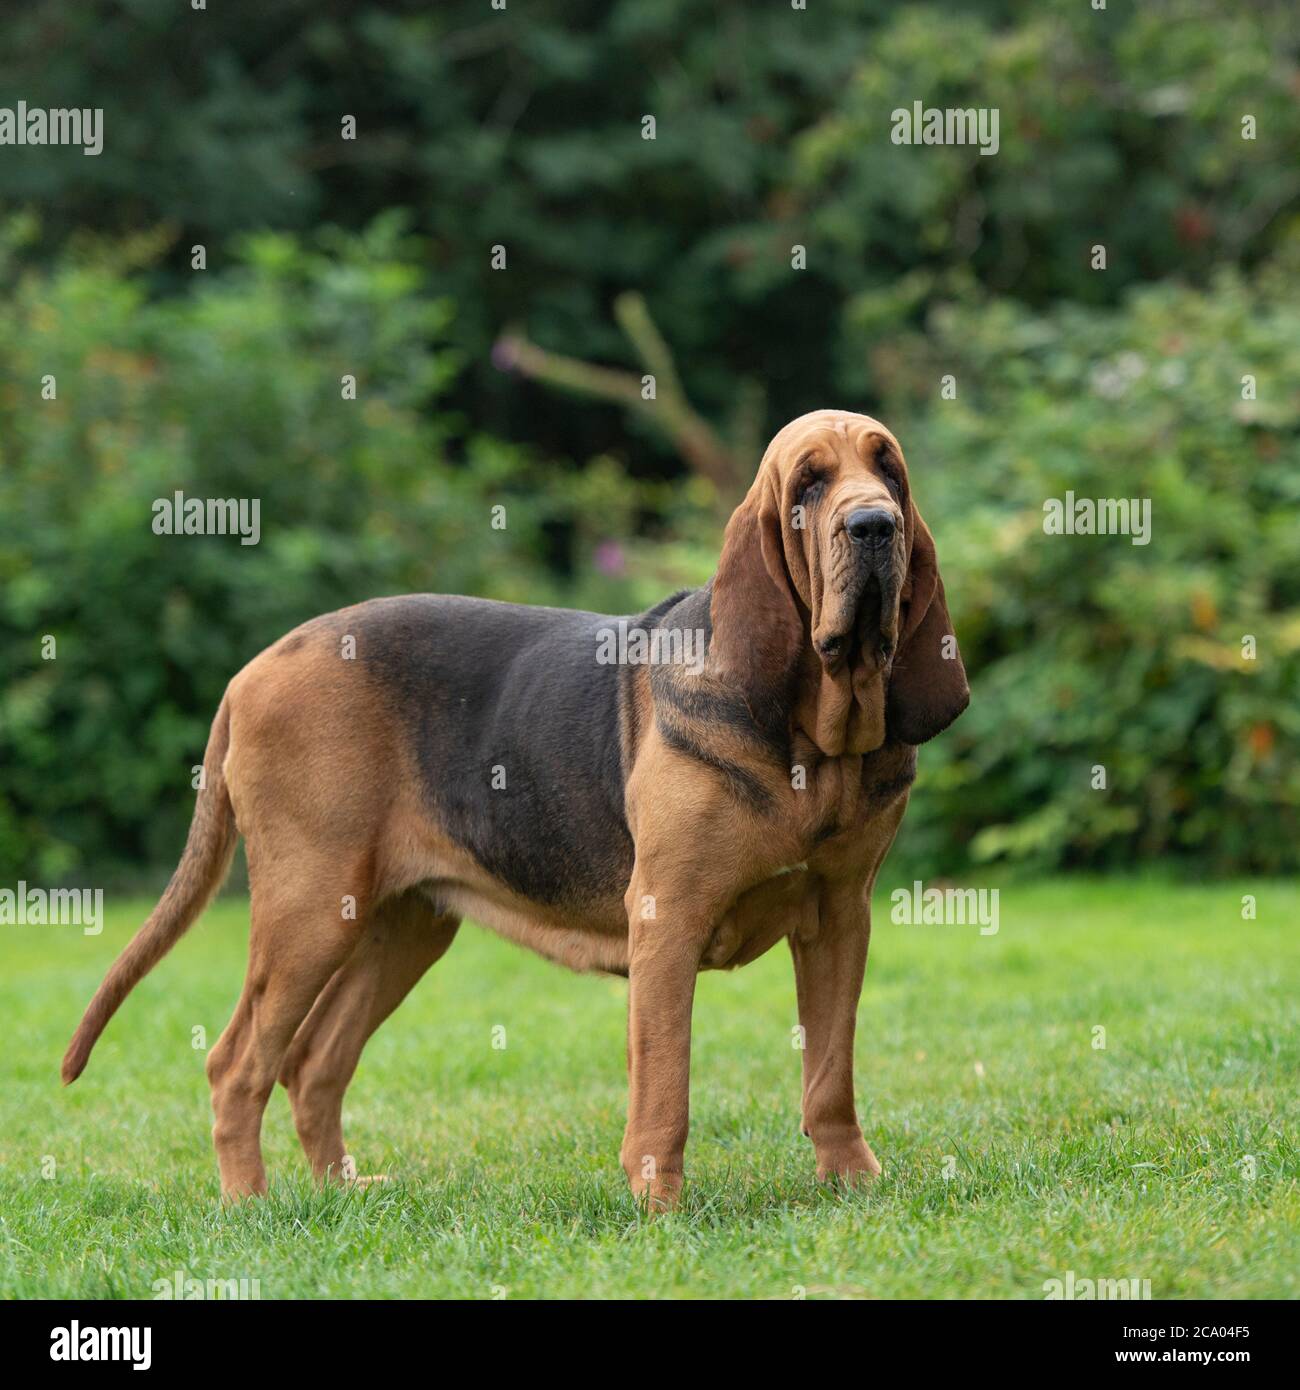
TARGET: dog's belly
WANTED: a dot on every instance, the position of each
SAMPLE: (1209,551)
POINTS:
(593,935)
(759,918)
(583,945)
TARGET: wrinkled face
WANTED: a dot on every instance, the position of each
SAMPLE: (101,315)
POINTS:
(844,493)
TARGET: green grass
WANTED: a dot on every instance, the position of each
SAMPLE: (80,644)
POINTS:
(1125,1162)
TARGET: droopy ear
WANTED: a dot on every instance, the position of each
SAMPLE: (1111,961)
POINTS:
(757,631)
(927,685)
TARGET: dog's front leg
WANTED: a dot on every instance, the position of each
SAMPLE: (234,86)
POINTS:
(666,941)
(829,963)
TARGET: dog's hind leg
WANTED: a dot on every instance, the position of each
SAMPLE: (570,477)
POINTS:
(302,932)
(403,937)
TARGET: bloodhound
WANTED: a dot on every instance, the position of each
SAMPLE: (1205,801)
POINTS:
(407,762)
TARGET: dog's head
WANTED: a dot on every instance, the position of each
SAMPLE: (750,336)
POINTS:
(828,590)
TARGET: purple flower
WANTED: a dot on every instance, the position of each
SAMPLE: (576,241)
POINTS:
(504,356)
(609,559)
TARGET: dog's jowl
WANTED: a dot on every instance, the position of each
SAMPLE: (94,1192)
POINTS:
(651,808)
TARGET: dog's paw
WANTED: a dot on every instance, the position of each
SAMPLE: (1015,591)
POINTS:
(657,1195)
(852,1164)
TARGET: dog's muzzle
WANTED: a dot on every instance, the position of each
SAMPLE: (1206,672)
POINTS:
(868,603)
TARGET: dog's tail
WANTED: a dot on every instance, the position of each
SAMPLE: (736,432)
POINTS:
(201,871)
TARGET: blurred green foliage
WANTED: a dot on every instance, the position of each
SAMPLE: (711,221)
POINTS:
(522,128)
(1174,665)
(232,391)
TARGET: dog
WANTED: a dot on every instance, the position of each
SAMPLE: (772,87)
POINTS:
(401,764)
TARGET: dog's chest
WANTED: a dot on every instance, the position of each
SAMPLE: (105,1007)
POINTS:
(843,797)
(838,823)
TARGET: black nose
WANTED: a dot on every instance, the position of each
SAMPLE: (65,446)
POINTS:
(870,524)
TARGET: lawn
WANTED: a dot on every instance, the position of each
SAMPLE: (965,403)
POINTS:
(1015,1149)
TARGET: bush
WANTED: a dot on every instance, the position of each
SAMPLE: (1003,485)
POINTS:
(522,126)
(1090,650)
(233,391)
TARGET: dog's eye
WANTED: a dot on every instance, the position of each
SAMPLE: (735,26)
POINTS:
(891,470)
(811,486)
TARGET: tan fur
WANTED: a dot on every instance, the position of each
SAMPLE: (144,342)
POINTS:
(203,867)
